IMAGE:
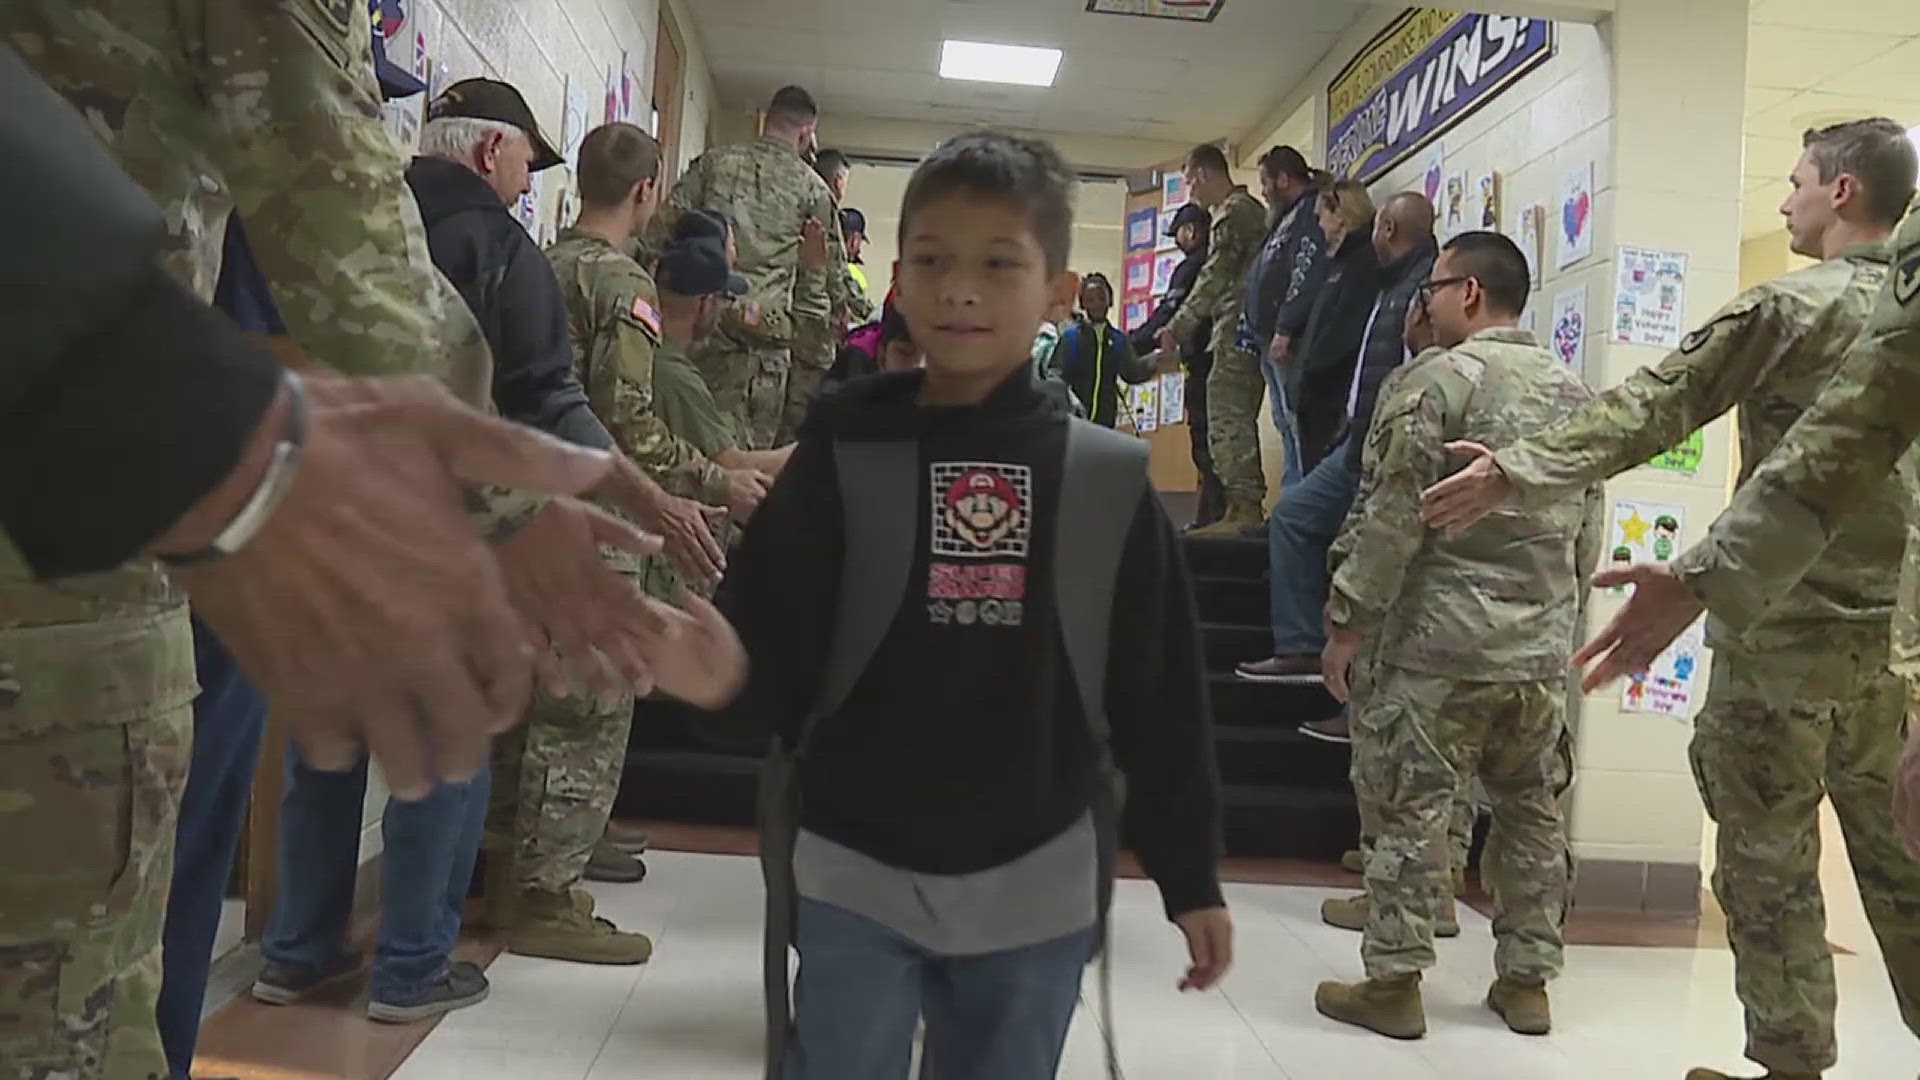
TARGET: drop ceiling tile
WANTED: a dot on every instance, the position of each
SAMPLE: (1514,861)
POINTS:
(1894,76)
(1799,58)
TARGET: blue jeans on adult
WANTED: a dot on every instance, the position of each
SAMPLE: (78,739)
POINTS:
(1300,529)
(426,868)
(862,988)
(1283,422)
(228,718)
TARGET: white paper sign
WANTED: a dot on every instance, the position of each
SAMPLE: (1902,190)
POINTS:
(1644,532)
(1649,306)
(1672,683)
(573,123)
(1570,328)
(1573,221)
(1173,398)
(1146,407)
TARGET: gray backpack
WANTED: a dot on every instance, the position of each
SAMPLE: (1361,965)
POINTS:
(1101,487)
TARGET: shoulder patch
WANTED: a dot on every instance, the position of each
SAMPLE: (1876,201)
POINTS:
(1906,275)
(645,315)
(750,313)
(1692,342)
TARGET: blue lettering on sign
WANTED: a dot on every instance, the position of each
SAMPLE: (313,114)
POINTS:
(1466,64)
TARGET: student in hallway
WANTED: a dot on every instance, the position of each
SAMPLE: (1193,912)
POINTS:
(982,644)
(1094,357)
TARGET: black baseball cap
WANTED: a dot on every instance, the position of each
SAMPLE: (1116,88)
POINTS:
(490,99)
(852,221)
(698,267)
(1190,214)
(698,223)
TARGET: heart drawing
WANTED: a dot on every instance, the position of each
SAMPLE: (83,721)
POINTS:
(1573,215)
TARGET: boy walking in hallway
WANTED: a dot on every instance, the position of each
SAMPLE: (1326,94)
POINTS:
(938,817)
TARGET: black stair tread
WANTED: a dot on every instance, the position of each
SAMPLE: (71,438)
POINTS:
(696,761)
(1272,733)
(1243,796)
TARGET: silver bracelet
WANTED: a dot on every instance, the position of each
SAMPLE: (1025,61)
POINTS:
(267,495)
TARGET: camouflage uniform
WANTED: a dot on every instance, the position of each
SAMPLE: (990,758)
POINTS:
(1235,387)
(1811,501)
(1801,704)
(768,193)
(209,105)
(681,398)
(1469,636)
(820,297)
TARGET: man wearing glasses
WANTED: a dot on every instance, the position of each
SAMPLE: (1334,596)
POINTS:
(1467,641)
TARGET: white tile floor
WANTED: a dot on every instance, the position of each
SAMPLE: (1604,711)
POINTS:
(694,1012)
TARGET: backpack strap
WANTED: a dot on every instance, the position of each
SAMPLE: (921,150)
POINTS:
(876,483)
(1100,491)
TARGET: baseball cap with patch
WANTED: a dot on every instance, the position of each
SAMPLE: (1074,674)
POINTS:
(698,267)
(1190,214)
(852,221)
(490,99)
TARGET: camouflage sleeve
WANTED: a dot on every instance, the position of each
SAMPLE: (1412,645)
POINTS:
(621,388)
(1656,407)
(332,224)
(1342,545)
(1219,276)
(1402,457)
(1593,534)
(859,306)
(1828,464)
(686,195)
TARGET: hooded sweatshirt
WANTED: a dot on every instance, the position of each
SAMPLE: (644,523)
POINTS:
(964,745)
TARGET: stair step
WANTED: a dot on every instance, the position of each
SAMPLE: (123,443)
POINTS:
(1236,600)
(1288,824)
(1237,701)
(1233,557)
(1227,645)
(1278,757)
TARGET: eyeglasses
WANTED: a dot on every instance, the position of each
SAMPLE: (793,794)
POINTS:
(1428,288)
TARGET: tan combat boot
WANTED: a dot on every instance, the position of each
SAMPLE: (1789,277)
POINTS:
(1354,862)
(1350,913)
(557,926)
(1522,1006)
(1390,1007)
(1716,1074)
(1242,514)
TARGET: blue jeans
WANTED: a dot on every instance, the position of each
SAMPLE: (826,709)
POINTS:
(228,718)
(1283,422)
(1301,528)
(426,869)
(862,988)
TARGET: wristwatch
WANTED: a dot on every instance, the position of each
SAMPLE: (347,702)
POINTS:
(266,497)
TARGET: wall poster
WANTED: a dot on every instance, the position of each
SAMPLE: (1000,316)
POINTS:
(1574,228)
(1173,398)
(1650,298)
(1570,328)
(1423,74)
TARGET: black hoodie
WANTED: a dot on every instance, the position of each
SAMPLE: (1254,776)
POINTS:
(964,745)
(509,285)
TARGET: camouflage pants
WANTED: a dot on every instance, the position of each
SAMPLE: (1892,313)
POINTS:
(88,815)
(1459,831)
(1417,739)
(1780,729)
(812,359)
(749,385)
(554,780)
(1234,391)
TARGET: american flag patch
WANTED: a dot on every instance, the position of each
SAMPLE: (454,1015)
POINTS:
(644,313)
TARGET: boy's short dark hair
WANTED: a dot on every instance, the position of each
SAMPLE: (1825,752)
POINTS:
(1095,277)
(828,162)
(1496,263)
(793,105)
(1877,153)
(613,158)
(1208,156)
(1028,173)
(893,326)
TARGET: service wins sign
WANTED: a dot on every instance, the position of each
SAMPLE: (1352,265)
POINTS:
(1419,77)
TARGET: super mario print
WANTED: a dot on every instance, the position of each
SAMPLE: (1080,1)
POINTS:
(981,510)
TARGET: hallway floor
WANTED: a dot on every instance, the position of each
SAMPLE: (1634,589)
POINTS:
(694,1012)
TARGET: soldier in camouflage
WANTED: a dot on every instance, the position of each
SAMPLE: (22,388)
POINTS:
(827,298)
(769,195)
(1469,637)
(1235,386)
(1801,703)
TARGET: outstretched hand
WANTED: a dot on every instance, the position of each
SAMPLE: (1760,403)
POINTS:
(1660,608)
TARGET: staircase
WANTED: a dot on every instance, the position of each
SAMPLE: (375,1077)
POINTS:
(1285,795)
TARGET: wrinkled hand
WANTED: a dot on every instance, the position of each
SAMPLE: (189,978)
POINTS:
(813,245)
(367,609)
(593,625)
(702,661)
(1467,496)
(745,489)
(1209,946)
(1906,793)
(1660,608)
(1167,341)
(680,523)
(1336,660)
(1280,349)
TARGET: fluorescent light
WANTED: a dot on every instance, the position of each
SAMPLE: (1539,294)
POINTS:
(1913,136)
(1022,65)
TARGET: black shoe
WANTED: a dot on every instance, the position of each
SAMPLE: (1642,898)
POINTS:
(285,984)
(1286,670)
(1334,729)
(464,984)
